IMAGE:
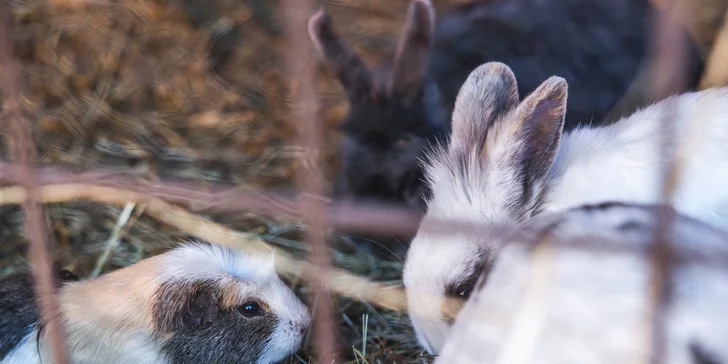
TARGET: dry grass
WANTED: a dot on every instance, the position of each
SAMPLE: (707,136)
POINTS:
(193,90)
(150,88)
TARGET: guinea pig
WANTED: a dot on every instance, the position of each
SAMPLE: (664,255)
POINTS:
(399,110)
(199,303)
(509,161)
(548,299)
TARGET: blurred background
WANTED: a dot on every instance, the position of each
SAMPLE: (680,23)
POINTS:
(197,90)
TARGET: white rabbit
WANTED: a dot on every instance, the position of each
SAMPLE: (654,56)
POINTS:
(200,303)
(508,161)
(548,300)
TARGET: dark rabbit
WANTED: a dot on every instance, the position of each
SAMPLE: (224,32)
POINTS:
(598,46)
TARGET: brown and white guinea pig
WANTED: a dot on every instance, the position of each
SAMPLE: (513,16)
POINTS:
(199,303)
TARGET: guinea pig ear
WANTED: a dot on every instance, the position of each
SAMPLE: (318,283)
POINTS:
(185,307)
(412,55)
(489,92)
(200,311)
(350,70)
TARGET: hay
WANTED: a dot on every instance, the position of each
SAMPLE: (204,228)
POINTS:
(188,90)
(193,90)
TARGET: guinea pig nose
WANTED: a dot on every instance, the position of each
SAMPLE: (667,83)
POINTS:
(305,324)
(300,326)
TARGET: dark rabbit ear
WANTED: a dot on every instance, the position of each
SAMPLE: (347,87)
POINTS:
(348,66)
(489,92)
(411,57)
(540,122)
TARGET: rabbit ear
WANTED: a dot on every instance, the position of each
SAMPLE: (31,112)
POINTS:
(411,57)
(351,71)
(489,91)
(536,128)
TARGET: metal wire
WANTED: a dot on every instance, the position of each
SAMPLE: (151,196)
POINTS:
(669,48)
(319,212)
(18,135)
(301,64)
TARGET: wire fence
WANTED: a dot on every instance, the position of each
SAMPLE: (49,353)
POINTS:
(177,203)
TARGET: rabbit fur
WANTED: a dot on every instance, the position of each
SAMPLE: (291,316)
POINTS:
(507,161)
(547,299)
(405,104)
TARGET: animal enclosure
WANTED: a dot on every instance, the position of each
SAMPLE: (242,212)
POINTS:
(132,125)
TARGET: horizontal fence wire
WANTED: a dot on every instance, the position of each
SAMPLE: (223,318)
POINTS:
(58,185)
(31,186)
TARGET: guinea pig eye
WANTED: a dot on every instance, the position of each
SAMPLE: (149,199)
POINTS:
(251,309)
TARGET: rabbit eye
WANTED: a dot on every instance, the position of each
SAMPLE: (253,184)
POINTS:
(465,290)
(402,142)
(251,309)
(464,287)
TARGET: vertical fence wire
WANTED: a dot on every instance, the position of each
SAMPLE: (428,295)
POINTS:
(305,116)
(21,149)
(668,76)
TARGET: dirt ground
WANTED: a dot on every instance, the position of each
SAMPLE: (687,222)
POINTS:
(189,90)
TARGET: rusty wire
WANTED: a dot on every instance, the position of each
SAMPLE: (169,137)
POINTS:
(19,138)
(305,110)
(352,216)
(669,52)
(209,199)
(344,215)
(312,206)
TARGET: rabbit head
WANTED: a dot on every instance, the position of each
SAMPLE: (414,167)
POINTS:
(588,302)
(493,173)
(393,112)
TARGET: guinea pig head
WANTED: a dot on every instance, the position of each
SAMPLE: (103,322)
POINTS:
(492,174)
(214,303)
